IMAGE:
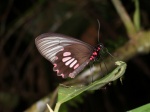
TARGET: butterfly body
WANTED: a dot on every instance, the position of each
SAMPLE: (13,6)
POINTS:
(68,55)
(96,52)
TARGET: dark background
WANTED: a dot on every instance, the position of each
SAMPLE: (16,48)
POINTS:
(26,77)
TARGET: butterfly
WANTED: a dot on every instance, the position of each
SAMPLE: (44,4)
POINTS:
(68,55)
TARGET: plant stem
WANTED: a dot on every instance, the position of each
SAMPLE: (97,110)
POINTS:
(136,17)
(57,107)
(125,18)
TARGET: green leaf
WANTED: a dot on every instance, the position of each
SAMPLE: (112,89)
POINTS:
(66,93)
(144,108)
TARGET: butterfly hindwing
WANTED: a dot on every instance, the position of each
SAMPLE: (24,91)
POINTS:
(68,55)
(72,58)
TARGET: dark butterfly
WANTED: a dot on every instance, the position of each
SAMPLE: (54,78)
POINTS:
(68,55)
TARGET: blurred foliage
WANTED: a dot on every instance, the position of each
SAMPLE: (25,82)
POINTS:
(25,76)
(8,101)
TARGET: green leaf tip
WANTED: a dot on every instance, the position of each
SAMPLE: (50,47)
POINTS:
(144,108)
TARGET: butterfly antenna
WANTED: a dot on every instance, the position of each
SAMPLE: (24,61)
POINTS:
(109,53)
(98,29)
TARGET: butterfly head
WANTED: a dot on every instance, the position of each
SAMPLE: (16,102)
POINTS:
(101,46)
(103,50)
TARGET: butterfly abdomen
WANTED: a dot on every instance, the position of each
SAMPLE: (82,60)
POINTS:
(95,53)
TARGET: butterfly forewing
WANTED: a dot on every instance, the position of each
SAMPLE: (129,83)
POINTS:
(68,55)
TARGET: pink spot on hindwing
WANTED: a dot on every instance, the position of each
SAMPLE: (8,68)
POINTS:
(76,66)
(73,63)
(55,65)
(68,62)
(66,53)
(57,71)
(62,75)
(66,59)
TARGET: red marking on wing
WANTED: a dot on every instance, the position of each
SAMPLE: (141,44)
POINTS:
(94,53)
